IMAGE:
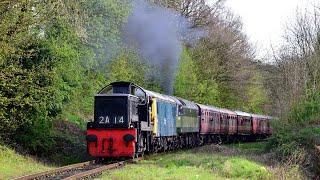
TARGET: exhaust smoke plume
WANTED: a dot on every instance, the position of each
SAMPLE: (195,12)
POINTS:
(158,34)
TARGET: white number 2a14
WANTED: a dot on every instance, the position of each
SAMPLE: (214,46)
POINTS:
(104,120)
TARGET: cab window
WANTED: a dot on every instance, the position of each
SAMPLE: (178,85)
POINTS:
(139,93)
(107,90)
(136,91)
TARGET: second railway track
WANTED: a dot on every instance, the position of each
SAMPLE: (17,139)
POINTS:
(75,171)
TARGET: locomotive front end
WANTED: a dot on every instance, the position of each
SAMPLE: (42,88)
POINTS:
(120,117)
(114,132)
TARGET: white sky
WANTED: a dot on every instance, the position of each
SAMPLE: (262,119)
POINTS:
(265,20)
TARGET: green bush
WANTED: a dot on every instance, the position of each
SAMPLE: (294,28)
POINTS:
(293,136)
(36,136)
(75,119)
(288,139)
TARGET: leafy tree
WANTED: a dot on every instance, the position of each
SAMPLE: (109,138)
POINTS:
(188,84)
(103,21)
(127,67)
(257,95)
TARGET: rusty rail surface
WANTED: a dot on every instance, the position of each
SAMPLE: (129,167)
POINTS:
(96,171)
(54,171)
(91,173)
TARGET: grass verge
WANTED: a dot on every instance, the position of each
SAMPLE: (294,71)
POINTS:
(14,165)
(250,147)
(208,162)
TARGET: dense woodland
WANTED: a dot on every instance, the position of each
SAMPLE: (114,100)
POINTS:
(56,54)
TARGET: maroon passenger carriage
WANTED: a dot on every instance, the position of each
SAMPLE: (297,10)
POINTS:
(261,126)
(244,125)
(210,129)
(228,124)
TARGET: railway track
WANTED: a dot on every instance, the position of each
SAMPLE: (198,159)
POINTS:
(88,169)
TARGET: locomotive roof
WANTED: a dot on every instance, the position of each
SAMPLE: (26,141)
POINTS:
(177,100)
(209,107)
(160,96)
(186,103)
(242,113)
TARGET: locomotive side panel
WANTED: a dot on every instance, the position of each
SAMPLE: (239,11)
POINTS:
(188,116)
(165,118)
(188,121)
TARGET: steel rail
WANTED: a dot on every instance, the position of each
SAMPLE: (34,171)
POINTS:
(99,170)
(54,171)
(95,171)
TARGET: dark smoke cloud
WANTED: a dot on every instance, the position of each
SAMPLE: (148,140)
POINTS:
(158,34)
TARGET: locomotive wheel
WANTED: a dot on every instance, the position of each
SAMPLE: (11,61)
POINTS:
(140,154)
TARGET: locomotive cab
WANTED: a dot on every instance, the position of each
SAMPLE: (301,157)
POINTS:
(120,116)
